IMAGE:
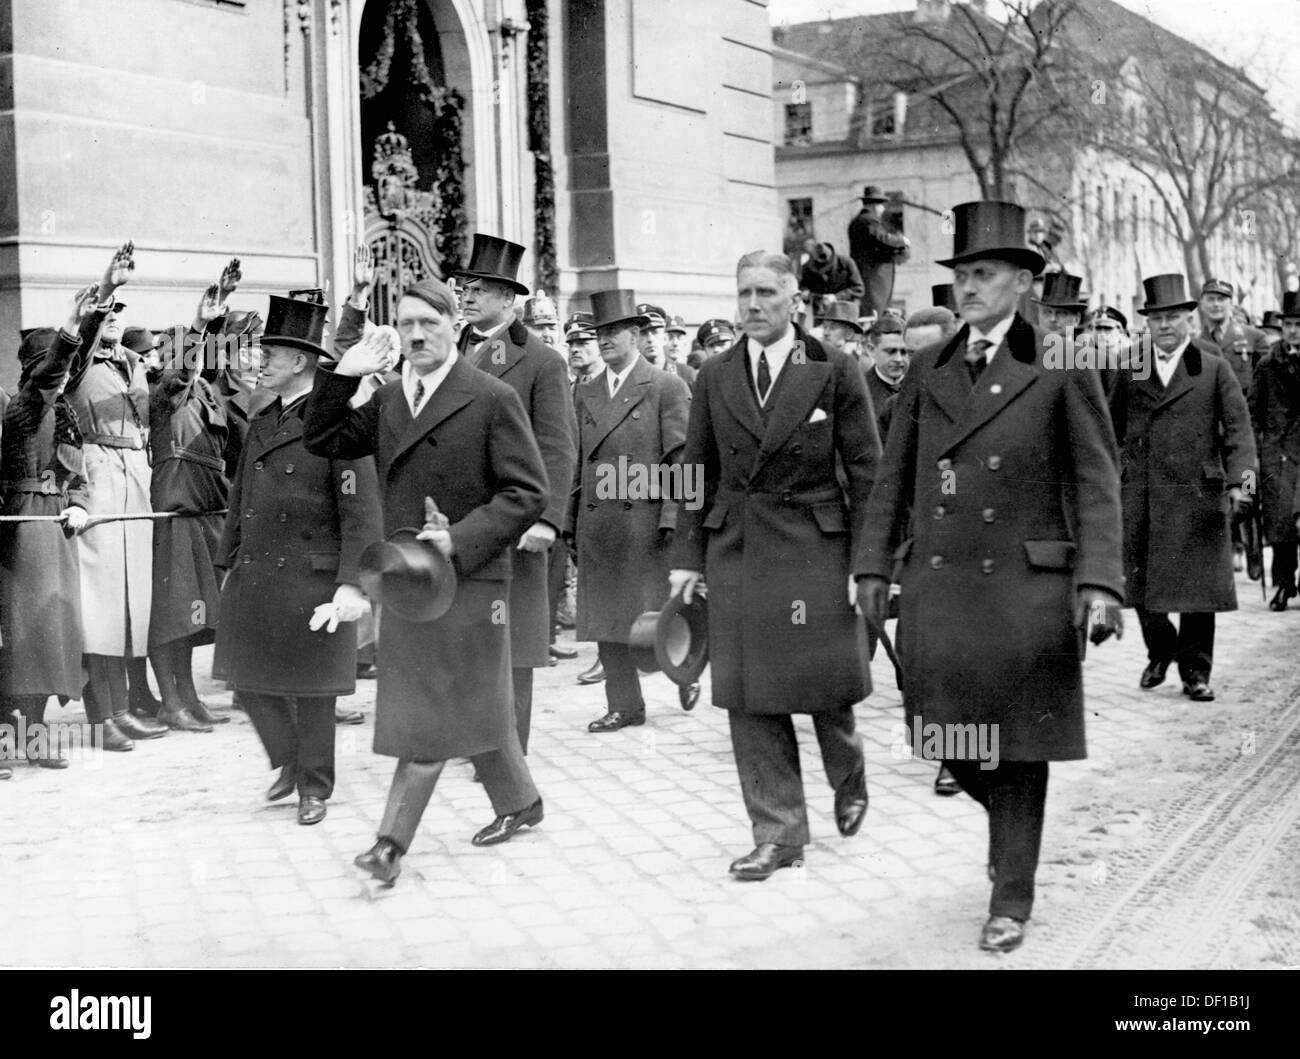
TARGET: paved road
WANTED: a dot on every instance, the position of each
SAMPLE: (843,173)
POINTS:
(168,856)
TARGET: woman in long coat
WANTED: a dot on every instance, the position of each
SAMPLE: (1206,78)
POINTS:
(40,582)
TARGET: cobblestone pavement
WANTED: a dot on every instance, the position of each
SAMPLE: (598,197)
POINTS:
(169,856)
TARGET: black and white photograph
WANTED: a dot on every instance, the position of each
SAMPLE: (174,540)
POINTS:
(650,485)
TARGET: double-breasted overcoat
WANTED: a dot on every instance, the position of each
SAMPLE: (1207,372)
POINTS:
(1275,412)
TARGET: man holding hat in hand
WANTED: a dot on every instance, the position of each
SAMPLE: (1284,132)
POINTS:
(456,455)
(298,523)
(1189,465)
(999,494)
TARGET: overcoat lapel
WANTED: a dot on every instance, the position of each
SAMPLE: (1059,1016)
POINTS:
(737,390)
(1014,369)
(454,394)
(268,435)
(793,398)
(1181,382)
(612,411)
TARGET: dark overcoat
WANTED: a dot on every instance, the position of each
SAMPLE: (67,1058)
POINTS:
(1011,492)
(1241,347)
(445,687)
(874,249)
(622,568)
(1275,413)
(775,533)
(539,375)
(1182,446)
(297,526)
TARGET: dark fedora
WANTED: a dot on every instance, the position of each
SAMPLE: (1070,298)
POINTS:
(996,230)
(1272,320)
(615,307)
(495,259)
(409,577)
(1061,291)
(941,297)
(296,323)
(674,640)
(841,312)
(1290,304)
(873,193)
(1166,291)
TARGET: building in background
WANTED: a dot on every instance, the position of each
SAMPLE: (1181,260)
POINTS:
(626,142)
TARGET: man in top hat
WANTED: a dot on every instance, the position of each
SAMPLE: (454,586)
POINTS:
(631,426)
(998,494)
(1061,306)
(454,452)
(827,275)
(875,250)
(1239,344)
(783,431)
(1275,411)
(1189,464)
(298,523)
(495,343)
(542,320)
(1271,325)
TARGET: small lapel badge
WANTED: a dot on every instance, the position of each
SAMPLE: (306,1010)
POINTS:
(995,388)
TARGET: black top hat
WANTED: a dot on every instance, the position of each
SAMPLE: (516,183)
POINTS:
(1290,304)
(675,639)
(295,323)
(941,297)
(841,312)
(495,259)
(1217,286)
(1272,320)
(1166,291)
(872,193)
(616,306)
(410,577)
(995,230)
(1061,291)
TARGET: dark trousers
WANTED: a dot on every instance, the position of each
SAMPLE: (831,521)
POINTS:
(1014,794)
(622,681)
(523,679)
(298,731)
(767,760)
(505,777)
(1191,644)
(557,569)
(1284,563)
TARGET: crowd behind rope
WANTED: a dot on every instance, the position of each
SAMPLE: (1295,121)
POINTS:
(139,471)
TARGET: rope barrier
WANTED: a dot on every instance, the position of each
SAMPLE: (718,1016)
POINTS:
(130,516)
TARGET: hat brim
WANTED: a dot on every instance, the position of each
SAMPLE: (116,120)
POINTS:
(1074,307)
(410,578)
(1148,309)
(513,284)
(682,639)
(1022,257)
(821,320)
(295,343)
(640,321)
(873,198)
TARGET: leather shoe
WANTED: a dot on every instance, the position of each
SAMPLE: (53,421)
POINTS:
(366,671)
(284,784)
(688,696)
(594,675)
(504,826)
(945,784)
(1198,690)
(1154,675)
(181,720)
(348,716)
(139,727)
(614,720)
(311,810)
(143,704)
(113,737)
(851,802)
(563,653)
(383,861)
(200,712)
(764,860)
(1002,934)
(1280,597)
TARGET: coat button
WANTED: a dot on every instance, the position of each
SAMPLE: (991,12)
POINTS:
(591,507)
(288,468)
(591,458)
(936,561)
(986,565)
(994,462)
(988,514)
(246,559)
(248,513)
(284,517)
(734,450)
(627,505)
(258,465)
(279,562)
(945,465)
(939,511)
(796,448)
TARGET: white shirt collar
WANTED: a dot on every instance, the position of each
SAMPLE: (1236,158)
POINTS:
(996,335)
(614,380)
(495,331)
(777,354)
(431,381)
(1166,366)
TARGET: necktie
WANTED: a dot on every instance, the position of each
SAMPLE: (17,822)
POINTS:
(764,377)
(476,337)
(419,393)
(614,380)
(1217,334)
(977,358)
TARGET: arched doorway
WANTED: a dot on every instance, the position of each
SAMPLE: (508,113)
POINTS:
(412,130)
